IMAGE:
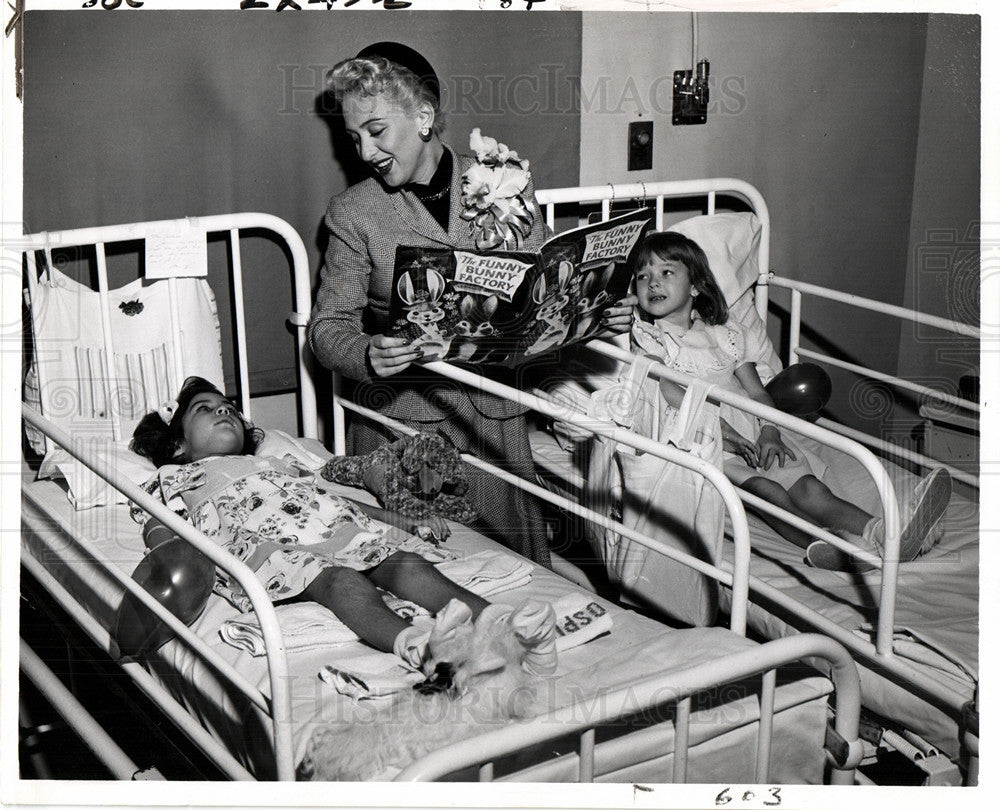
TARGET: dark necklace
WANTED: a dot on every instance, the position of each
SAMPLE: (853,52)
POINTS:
(434,195)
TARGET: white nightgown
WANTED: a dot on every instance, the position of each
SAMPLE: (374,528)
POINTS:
(712,354)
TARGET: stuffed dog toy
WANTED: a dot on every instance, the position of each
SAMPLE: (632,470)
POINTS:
(419,475)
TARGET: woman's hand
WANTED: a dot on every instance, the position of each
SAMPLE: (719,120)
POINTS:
(735,442)
(389,355)
(618,317)
(771,447)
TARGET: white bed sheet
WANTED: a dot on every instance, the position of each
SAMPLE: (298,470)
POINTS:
(937,605)
(636,647)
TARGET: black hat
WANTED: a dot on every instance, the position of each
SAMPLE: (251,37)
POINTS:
(405,56)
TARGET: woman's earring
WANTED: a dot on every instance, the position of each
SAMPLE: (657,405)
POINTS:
(425,134)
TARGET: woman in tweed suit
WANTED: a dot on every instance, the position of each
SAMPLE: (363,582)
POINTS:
(390,100)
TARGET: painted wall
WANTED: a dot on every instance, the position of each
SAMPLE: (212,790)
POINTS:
(943,272)
(821,112)
(165,114)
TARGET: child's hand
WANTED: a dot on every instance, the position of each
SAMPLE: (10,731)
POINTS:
(433,529)
(617,318)
(771,447)
(735,442)
(746,449)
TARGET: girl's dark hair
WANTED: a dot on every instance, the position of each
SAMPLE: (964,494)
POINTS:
(710,303)
(160,442)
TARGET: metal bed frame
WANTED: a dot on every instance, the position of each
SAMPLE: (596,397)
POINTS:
(848,440)
(677,686)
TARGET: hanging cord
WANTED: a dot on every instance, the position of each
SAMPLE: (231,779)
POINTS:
(694,43)
(645,196)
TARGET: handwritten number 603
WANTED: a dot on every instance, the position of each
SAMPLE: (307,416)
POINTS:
(110,5)
(724,798)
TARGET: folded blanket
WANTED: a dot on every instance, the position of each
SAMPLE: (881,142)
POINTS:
(487,573)
(369,675)
(579,619)
(304,626)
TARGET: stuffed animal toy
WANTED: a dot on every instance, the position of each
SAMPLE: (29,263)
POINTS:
(480,675)
(420,475)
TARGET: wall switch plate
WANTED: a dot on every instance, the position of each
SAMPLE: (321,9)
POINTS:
(640,145)
(690,99)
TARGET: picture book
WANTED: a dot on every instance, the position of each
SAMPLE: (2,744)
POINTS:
(505,307)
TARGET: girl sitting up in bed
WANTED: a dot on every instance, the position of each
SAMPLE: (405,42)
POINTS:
(682,321)
(303,541)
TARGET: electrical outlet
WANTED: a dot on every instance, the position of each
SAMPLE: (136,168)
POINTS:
(640,145)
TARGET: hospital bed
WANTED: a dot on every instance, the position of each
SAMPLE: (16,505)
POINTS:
(642,701)
(912,628)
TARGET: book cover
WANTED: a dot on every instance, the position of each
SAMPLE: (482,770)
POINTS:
(504,307)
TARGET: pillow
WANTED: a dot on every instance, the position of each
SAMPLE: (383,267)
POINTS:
(731,242)
(86,488)
(758,346)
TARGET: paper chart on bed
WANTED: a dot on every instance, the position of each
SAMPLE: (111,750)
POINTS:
(504,307)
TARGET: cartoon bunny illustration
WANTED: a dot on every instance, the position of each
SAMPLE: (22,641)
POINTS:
(552,312)
(475,324)
(424,310)
(594,297)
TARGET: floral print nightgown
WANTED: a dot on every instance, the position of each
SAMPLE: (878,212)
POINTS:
(286,525)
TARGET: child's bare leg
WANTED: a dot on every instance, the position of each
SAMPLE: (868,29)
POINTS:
(815,498)
(410,576)
(358,604)
(773,492)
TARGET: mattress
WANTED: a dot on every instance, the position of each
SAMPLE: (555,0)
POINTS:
(937,604)
(637,646)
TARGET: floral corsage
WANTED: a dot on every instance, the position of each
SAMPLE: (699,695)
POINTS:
(491,195)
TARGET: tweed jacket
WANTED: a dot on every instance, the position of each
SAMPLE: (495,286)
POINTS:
(366,223)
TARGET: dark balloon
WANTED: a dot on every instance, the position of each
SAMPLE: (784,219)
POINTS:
(180,578)
(801,390)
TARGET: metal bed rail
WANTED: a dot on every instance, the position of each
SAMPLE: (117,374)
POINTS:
(879,476)
(866,650)
(676,687)
(711,189)
(737,578)
(278,706)
(118,763)
(796,353)
(825,430)
(915,679)
(100,237)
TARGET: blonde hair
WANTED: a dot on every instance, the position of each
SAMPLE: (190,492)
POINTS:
(373,75)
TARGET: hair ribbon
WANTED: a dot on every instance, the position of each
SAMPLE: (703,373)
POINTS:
(167,411)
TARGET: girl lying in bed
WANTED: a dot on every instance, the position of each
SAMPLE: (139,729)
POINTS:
(303,541)
(682,321)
